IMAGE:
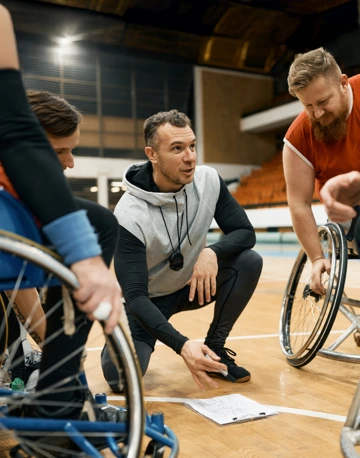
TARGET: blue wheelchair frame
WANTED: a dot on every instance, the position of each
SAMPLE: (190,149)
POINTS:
(16,219)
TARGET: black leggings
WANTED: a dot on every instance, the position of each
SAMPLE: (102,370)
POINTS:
(59,348)
(236,282)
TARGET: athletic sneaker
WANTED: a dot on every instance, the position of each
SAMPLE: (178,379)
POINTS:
(32,366)
(33,358)
(236,374)
(32,380)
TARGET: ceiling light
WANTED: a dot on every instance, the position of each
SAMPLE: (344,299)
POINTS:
(65,43)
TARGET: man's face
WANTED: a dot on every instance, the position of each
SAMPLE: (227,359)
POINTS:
(175,155)
(326,102)
(63,148)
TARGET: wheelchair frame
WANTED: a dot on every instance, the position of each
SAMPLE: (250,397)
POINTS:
(350,434)
(334,300)
(14,248)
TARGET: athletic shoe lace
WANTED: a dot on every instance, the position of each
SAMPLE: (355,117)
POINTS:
(227,353)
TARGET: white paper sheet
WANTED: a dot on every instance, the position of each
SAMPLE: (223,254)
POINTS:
(233,408)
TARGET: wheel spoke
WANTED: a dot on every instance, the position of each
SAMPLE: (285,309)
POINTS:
(306,318)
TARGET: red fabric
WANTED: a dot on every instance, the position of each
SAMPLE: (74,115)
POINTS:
(332,158)
(6,184)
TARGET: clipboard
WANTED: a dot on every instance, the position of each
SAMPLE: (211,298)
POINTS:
(232,408)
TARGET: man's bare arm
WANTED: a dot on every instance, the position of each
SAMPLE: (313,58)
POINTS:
(300,179)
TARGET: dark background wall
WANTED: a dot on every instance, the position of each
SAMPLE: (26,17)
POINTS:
(115,90)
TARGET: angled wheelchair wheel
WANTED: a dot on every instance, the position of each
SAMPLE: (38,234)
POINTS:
(306,317)
(350,434)
(23,264)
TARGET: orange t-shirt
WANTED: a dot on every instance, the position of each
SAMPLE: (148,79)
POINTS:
(6,184)
(332,158)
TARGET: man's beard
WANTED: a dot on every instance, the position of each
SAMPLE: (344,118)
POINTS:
(334,131)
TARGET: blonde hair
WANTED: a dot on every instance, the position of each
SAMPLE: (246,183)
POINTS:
(308,66)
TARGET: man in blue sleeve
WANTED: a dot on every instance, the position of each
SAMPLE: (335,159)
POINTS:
(162,262)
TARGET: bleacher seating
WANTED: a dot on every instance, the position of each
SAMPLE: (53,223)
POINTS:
(265,186)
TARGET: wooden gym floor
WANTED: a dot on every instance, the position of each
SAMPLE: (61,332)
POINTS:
(313,401)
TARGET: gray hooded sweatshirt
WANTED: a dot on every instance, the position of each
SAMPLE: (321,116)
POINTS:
(159,220)
(153,223)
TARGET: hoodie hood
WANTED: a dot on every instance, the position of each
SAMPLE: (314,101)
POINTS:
(138,179)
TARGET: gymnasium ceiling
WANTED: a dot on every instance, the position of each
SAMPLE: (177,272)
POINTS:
(261,36)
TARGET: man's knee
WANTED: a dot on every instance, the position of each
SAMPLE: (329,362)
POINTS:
(249,262)
(255,262)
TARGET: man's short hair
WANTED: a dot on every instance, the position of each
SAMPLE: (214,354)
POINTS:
(57,116)
(151,125)
(308,66)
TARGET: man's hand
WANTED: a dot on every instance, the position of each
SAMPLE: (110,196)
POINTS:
(193,353)
(318,268)
(340,194)
(203,279)
(97,284)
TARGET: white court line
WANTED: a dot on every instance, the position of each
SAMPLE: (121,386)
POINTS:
(259,336)
(306,413)
(310,413)
(270,279)
(350,283)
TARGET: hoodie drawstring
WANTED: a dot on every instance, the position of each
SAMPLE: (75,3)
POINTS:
(178,224)
(187,217)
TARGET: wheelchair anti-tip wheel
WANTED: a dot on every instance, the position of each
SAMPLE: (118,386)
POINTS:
(306,317)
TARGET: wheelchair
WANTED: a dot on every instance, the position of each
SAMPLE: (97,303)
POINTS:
(350,434)
(26,263)
(306,318)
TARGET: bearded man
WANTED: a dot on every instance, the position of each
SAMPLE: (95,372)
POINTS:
(321,143)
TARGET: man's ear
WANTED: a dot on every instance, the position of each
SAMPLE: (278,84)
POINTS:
(151,154)
(344,81)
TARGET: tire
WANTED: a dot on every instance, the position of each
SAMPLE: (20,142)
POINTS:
(37,268)
(306,318)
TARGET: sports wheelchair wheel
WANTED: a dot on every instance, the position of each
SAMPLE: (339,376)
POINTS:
(306,317)
(36,268)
